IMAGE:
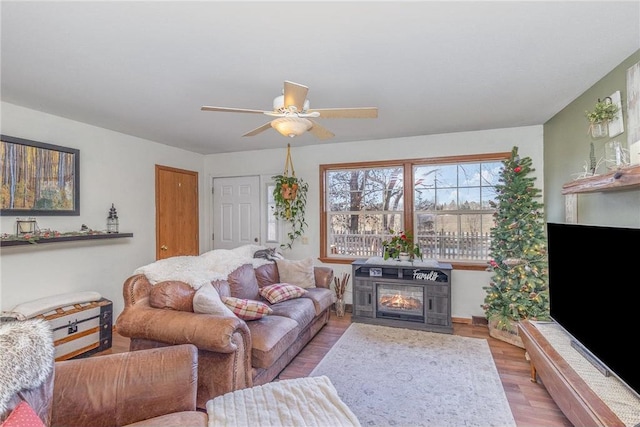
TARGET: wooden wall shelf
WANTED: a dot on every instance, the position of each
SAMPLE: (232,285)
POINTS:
(80,237)
(623,179)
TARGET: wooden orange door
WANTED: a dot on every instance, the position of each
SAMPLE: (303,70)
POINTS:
(176,212)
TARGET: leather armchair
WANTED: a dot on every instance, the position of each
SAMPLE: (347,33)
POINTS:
(149,387)
(155,387)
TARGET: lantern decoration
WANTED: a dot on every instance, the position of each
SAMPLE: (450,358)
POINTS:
(112,220)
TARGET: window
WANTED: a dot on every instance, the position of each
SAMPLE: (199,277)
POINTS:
(444,202)
(273,229)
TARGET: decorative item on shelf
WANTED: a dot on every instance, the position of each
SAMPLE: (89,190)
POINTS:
(341,289)
(400,247)
(404,256)
(604,112)
(26,226)
(599,129)
(589,168)
(616,155)
(290,197)
(112,220)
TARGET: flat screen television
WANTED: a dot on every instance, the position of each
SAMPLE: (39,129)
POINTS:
(594,293)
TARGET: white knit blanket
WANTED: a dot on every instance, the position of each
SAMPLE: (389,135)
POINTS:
(311,401)
(197,270)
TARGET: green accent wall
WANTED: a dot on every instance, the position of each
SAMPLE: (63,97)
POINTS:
(566,151)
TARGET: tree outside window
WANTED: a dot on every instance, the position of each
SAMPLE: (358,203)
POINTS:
(448,209)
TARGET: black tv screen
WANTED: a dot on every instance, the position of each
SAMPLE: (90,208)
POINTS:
(594,292)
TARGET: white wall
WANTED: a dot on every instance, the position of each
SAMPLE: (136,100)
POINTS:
(114,168)
(117,168)
(467,292)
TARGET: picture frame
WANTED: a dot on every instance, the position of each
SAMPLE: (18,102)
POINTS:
(375,272)
(38,178)
(633,113)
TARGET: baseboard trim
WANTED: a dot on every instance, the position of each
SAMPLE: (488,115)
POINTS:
(479,320)
(474,320)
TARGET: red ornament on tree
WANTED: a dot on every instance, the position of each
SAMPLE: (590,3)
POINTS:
(517,169)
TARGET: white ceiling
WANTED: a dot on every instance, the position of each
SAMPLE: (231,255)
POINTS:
(146,68)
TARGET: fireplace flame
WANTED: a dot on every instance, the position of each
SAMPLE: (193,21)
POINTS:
(401,302)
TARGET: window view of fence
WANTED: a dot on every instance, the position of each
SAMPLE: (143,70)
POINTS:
(444,246)
(451,209)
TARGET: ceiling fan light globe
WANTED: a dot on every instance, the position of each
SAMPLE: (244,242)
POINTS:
(291,126)
(278,103)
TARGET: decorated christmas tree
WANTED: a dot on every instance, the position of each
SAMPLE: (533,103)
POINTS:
(519,285)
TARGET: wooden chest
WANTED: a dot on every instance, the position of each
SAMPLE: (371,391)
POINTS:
(80,330)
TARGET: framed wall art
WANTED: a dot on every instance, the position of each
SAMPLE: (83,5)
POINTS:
(38,178)
(633,112)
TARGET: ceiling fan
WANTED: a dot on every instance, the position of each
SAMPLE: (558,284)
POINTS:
(294,117)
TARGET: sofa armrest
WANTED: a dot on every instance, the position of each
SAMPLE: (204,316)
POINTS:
(122,388)
(206,331)
(323,276)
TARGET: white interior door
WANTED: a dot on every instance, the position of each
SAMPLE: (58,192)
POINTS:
(236,212)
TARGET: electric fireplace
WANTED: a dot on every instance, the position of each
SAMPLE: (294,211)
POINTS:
(402,294)
(400,301)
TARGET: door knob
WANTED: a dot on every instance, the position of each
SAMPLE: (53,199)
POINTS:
(255,239)
(164,248)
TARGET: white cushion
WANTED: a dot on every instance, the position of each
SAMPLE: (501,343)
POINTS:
(207,300)
(298,273)
(47,304)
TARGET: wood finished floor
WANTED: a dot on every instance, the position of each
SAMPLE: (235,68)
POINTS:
(530,402)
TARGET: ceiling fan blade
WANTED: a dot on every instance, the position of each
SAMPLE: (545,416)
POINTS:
(259,129)
(319,131)
(231,110)
(294,94)
(346,113)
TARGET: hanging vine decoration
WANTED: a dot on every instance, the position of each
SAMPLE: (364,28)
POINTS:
(290,197)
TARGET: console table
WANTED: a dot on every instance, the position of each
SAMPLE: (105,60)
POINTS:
(577,400)
(426,289)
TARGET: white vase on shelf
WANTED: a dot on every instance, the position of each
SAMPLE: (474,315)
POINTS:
(616,155)
(404,256)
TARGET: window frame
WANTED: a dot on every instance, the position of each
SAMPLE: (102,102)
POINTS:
(408,213)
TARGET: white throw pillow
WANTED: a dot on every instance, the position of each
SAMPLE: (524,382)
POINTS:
(207,300)
(298,273)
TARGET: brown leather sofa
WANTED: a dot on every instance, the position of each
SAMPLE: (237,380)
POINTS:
(155,387)
(232,353)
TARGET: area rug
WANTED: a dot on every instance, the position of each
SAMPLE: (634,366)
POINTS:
(403,377)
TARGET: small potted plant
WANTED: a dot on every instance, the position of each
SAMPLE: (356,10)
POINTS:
(599,118)
(288,186)
(401,246)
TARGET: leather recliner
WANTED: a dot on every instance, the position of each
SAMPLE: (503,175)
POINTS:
(155,387)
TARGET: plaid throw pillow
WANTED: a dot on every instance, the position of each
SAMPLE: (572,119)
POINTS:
(281,292)
(247,309)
